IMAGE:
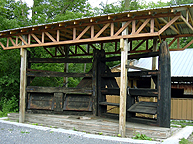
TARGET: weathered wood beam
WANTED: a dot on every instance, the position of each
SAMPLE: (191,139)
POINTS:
(172,42)
(57,74)
(186,22)
(66,90)
(25,43)
(168,24)
(172,27)
(89,40)
(60,60)
(102,30)
(49,52)
(123,80)
(23,83)
(139,45)
(142,26)
(58,36)
(164,87)
(190,17)
(112,29)
(135,56)
(2,46)
(50,36)
(82,49)
(133,74)
(74,33)
(144,92)
(36,39)
(122,28)
(12,41)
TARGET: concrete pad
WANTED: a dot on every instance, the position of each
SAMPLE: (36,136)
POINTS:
(183,133)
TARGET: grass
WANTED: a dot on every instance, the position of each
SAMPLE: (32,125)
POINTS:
(100,133)
(35,124)
(24,132)
(74,129)
(142,137)
(182,123)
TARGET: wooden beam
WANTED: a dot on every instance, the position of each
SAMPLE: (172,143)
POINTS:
(164,87)
(92,32)
(152,26)
(172,42)
(122,28)
(123,87)
(60,60)
(142,26)
(112,29)
(36,39)
(139,45)
(70,90)
(57,74)
(186,22)
(172,27)
(89,40)
(50,36)
(74,33)
(82,49)
(190,17)
(168,24)
(83,32)
(43,37)
(12,41)
(23,83)
(133,26)
(58,36)
(2,46)
(191,42)
(24,41)
(49,52)
(102,30)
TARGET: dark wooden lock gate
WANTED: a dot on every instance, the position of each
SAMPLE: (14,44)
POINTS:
(90,94)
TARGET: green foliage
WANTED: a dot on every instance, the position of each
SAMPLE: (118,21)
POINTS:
(74,129)
(23,132)
(184,141)
(142,137)
(10,105)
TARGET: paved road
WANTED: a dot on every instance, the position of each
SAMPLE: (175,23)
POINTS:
(16,133)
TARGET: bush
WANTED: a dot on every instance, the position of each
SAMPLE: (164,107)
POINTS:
(8,105)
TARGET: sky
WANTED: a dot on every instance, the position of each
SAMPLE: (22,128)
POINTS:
(94,3)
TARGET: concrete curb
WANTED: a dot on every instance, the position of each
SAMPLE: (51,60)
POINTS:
(183,133)
(81,134)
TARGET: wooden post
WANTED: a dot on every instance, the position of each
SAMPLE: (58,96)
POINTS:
(101,83)
(94,84)
(123,85)
(66,65)
(23,83)
(154,64)
(164,87)
(154,61)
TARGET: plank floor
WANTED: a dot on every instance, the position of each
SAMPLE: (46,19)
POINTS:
(91,124)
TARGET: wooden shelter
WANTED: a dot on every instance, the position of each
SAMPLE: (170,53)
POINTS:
(63,41)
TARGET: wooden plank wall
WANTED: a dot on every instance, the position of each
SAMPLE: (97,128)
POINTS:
(181,108)
(188,89)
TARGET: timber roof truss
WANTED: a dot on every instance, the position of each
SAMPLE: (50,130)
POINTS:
(168,22)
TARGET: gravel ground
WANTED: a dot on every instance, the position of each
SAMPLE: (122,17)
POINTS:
(17,134)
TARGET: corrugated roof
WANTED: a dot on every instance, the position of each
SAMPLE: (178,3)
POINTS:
(176,8)
(181,63)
